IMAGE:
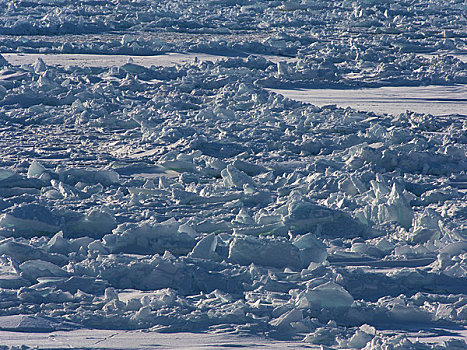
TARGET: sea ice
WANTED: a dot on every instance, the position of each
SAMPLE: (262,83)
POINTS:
(191,196)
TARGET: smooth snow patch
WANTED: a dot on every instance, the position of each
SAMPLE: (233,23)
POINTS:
(95,60)
(110,339)
(435,100)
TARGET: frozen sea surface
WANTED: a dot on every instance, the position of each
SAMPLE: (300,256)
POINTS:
(183,202)
(132,340)
(435,100)
(96,60)
(141,340)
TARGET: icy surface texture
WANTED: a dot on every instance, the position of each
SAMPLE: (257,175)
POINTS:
(335,44)
(191,198)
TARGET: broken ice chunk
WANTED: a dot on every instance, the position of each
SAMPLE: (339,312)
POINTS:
(10,274)
(283,322)
(426,227)
(361,337)
(149,238)
(3,61)
(30,220)
(33,269)
(23,252)
(236,178)
(322,336)
(388,205)
(31,323)
(39,65)
(205,248)
(250,169)
(268,252)
(398,208)
(311,249)
(36,169)
(5,174)
(95,223)
(305,217)
(329,295)
(73,176)
(58,244)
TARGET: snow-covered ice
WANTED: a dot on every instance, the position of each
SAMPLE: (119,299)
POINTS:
(434,99)
(186,168)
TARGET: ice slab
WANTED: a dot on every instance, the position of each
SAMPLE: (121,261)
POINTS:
(30,323)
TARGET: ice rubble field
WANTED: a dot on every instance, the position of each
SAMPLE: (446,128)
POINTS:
(192,198)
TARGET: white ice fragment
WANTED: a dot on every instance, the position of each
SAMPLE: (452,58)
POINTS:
(268,252)
(236,178)
(127,39)
(384,245)
(10,273)
(97,246)
(39,65)
(30,219)
(36,169)
(361,337)
(149,184)
(33,269)
(243,218)
(426,227)
(398,208)
(323,336)
(143,313)
(205,248)
(311,249)
(329,295)
(387,205)
(57,244)
(454,248)
(283,322)
(27,323)
(110,294)
(75,175)
(6,173)
(352,186)
(96,222)
(3,61)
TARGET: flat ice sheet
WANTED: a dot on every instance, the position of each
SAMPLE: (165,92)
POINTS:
(92,60)
(111,339)
(435,100)
(128,340)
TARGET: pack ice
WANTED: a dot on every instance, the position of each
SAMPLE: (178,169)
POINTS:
(192,198)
